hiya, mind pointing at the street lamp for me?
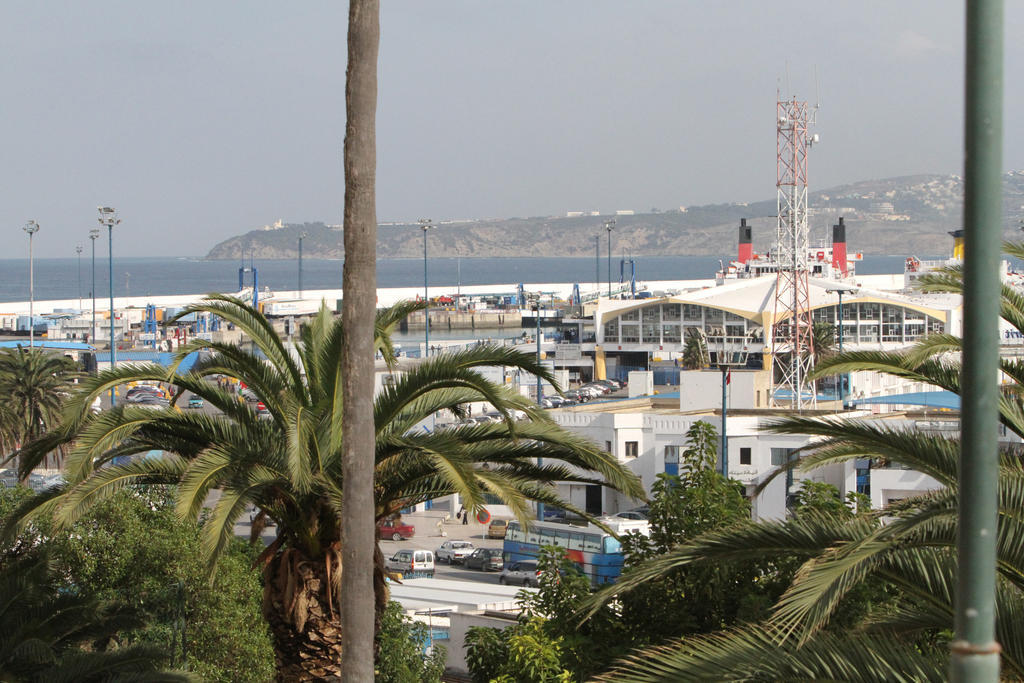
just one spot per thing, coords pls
(302, 236)
(78, 250)
(609, 225)
(730, 353)
(425, 224)
(31, 228)
(108, 217)
(844, 379)
(93, 235)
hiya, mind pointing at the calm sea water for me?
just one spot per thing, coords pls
(59, 278)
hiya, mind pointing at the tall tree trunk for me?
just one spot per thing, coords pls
(302, 616)
(358, 309)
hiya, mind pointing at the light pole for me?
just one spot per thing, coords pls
(609, 225)
(93, 235)
(302, 236)
(78, 250)
(731, 353)
(31, 228)
(108, 217)
(425, 224)
(844, 378)
(540, 397)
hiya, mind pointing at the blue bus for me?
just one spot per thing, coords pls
(597, 553)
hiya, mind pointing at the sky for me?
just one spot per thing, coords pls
(200, 120)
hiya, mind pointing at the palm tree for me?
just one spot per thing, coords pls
(289, 466)
(360, 284)
(914, 552)
(34, 383)
(695, 353)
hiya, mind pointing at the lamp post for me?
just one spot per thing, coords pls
(609, 225)
(108, 217)
(78, 250)
(844, 379)
(302, 236)
(425, 224)
(93, 235)
(731, 353)
(31, 228)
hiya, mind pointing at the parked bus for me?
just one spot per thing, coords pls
(597, 553)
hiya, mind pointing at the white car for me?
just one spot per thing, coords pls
(412, 563)
(454, 552)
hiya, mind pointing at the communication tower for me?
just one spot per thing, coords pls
(792, 338)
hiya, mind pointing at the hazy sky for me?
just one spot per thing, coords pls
(201, 120)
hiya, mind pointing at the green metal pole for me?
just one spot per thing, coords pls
(725, 436)
(974, 651)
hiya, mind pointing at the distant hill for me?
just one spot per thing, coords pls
(908, 215)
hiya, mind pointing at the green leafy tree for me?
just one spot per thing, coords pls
(50, 633)
(34, 384)
(133, 550)
(289, 466)
(400, 643)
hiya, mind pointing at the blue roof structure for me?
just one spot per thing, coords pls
(47, 344)
(929, 399)
(164, 358)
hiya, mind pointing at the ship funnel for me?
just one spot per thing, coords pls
(958, 243)
(746, 249)
(839, 246)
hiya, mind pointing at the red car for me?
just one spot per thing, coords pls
(396, 531)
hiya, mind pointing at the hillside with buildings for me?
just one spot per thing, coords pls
(907, 215)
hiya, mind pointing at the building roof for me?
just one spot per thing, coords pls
(930, 399)
(46, 344)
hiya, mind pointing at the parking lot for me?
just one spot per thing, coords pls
(428, 538)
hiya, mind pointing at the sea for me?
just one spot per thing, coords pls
(69, 278)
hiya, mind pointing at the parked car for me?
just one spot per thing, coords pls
(631, 514)
(485, 559)
(521, 573)
(454, 552)
(396, 531)
(412, 563)
(195, 401)
(497, 528)
(152, 402)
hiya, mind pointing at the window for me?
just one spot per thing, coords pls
(632, 448)
(611, 330)
(608, 446)
(652, 314)
(670, 312)
(670, 334)
(869, 311)
(652, 333)
(744, 456)
(781, 455)
(631, 315)
(715, 315)
(672, 459)
(630, 334)
(869, 333)
(692, 312)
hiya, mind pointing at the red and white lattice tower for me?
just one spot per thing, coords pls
(792, 338)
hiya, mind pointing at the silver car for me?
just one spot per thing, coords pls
(454, 552)
(520, 573)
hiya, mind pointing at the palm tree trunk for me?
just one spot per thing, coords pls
(304, 625)
(358, 309)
